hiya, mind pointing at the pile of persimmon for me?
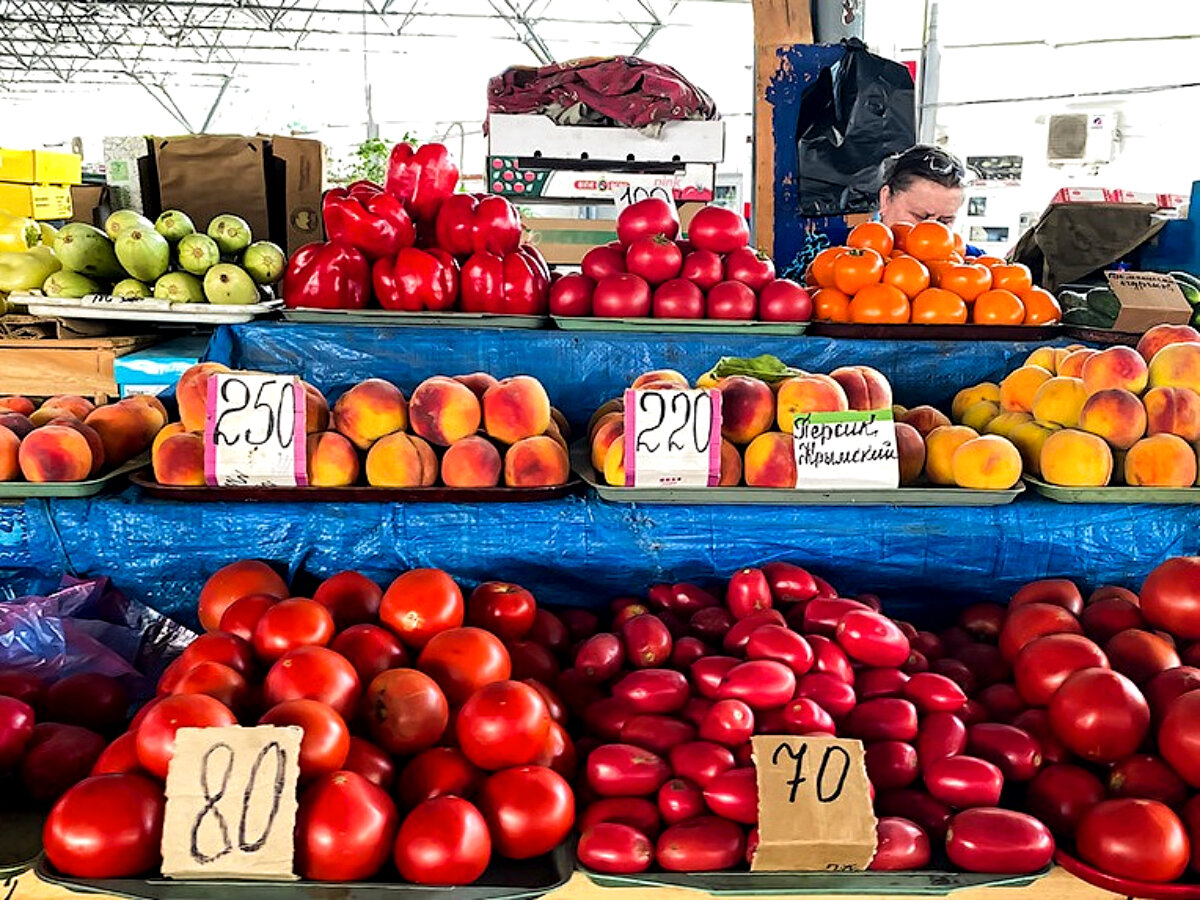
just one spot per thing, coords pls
(919, 273)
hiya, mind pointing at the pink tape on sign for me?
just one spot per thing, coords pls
(714, 440)
(210, 446)
(300, 434)
(630, 438)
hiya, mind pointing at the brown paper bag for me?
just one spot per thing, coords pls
(206, 175)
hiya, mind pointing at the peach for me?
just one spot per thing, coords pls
(429, 461)
(559, 419)
(49, 411)
(1043, 357)
(1115, 367)
(608, 407)
(478, 382)
(940, 445)
(968, 397)
(164, 433)
(150, 418)
(978, 415)
(899, 412)
(1173, 410)
(1115, 415)
(516, 408)
(394, 461)
(316, 410)
(988, 463)
(443, 411)
(614, 464)
(1073, 458)
(158, 412)
(17, 404)
(611, 430)
(16, 423)
(1004, 423)
(1161, 460)
(473, 462)
(55, 453)
(332, 460)
(10, 448)
(125, 430)
(925, 419)
(770, 460)
(180, 460)
(865, 388)
(536, 461)
(1029, 438)
(1059, 400)
(77, 406)
(91, 435)
(911, 447)
(370, 410)
(1020, 386)
(553, 432)
(605, 420)
(1071, 365)
(1163, 335)
(747, 408)
(191, 393)
(805, 394)
(661, 378)
(1176, 365)
(731, 465)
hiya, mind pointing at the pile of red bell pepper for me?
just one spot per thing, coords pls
(416, 245)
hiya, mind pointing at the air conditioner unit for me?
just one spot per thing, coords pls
(1084, 138)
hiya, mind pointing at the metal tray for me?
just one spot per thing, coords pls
(20, 840)
(918, 883)
(752, 496)
(430, 319)
(22, 490)
(920, 332)
(353, 494)
(1119, 494)
(1126, 887)
(698, 326)
(1101, 335)
(504, 880)
(153, 311)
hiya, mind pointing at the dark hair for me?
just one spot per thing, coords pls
(923, 161)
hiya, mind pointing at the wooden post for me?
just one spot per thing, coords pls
(777, 23)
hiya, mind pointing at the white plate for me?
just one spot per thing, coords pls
(142, 309)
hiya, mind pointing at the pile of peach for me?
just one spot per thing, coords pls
(469, 431)
(1089, 418)
(756, 430)
(68, 438)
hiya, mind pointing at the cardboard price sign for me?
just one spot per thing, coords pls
(814, 805)
(843, 450)
(255, 431)
(231, 803)
(672, 438)
(1147, 299)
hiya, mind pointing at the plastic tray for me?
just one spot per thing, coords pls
(431, 319)
(504, 880)
(920, 883)
(151, 311)
(698, 326)
(1101, 335)
(21, 490)
(919, 332)
(353, 494)
(20, 840)
(1126, 887)
(1123, 495)
(751, 496)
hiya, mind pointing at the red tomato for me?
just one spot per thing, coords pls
(891, 765)
(718, 229)
(156, 734)
(1015, 752)
(326, 741)
(443, 841)
(345, 828)
(1060, 794)
(647, 218)
(931, 693)
(652, 690)
(680, 800)
(931, 815)
(986, 663)
(602, 261)
(729, 722)
(648, 642)
(529, 810)
(941, 735)
(506, 610)
(805, 716)
(1037, 723)
(558, 753)
(735, 640)
(636, 812)
(711, 624)
(998, 840)
(734, 795)
(462, 660)
(708, 672)
(703, 268)
(831, 693)
(748, 592)
(1109, 616)
(883, 719)
(1164, 687)
(872, 639)
(419, 604)
(370, 650)
(89, 699)
(730, 300)
(1191, 821)
(656, 259)
(831, 659)
(351, 598)
(437, 772)
(531, 661)
(406, 711)
(16, 728)
(22, 686)
(1132, 838)
(371, 762)
(600, 657)
(1179, 737)
(1099, 714)
(622, 770)
(232, 582)
(1045, 663)
(289, 624)
(1140, 655)
(109, 826)
(678, 298)
(783, 300)
(315, 673)
(119, 757)
(781, 644)
(554, 703)
(220, 647)
(658, 734)
(1058, 591)
(241, 616)
(622, 296)
(704, 844)
(503, 724)
(1170, 597)
(1148, 777)
(605, 718)
(760, 683)
(571, 295)
(751, 267)
(1032, 621)
(614, 849)
(56, 757)
(1001, 702)
(217, 681)
(964, 781)
(901, 845)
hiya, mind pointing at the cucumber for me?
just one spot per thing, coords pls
(1088, 318)
(1072, 300)
(1104, 301)
(1186, 278)
(1190, 292)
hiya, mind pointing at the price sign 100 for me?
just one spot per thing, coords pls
(255, 430)
(672, 438)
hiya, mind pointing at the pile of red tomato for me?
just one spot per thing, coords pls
(426, 743)
(647, 271)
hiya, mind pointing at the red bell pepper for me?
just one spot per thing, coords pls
(365, 217)
(327, 276)
(421, 178)
(511, 284)
(478, 223)
(416, 280)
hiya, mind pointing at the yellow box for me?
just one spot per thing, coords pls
(40, 167)
(38, 201)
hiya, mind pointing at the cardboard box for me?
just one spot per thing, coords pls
(297, 183)
(1147, 299)
(38, 201)
(157, 368)
(525, 178)
(539, 136)
(40, 167)
(83, 366)
(1117, 195)
(89, 202)
(564, 241)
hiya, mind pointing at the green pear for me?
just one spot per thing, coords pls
(230, 285)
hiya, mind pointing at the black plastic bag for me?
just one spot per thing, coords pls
(859, 111)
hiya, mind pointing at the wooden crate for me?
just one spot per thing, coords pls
(69, 365)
